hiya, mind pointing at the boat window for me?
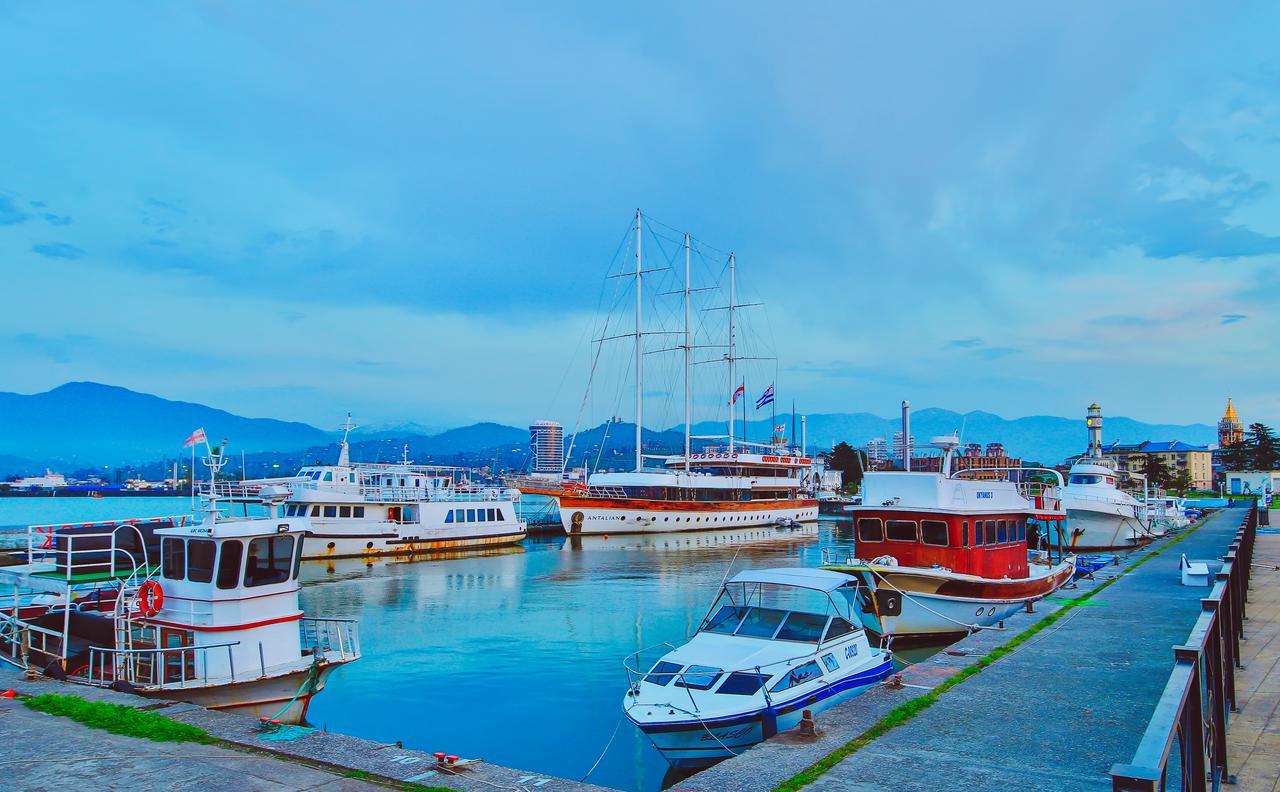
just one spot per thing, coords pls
(448, 516)
(344, 511)
(741, 683)
(839, 626)
(870, 530)
(357, 511)
(797, 676)
(1084, 478)
(1019, 531)
(471, 515)
(200, 554)
(330, 511)
(829, 661)
(698, 677)
(500, 517)
(493, 514)
(173, 558)
(900, 530)
(229, 563)
(933, 532)
(270, 558)
(964, 534)
(990, 527)
(662, 672)
(328, 476)
(726, 620)
(761, 622)
(297, 559)
(1002, 528)
(315, 511)
(315, 475)
(805, 627)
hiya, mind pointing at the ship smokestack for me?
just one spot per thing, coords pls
(906, 435)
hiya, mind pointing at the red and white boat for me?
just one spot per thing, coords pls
(205, 612)
(940, 555)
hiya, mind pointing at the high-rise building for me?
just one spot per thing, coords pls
(900, 449)
(1230, 428)
(877, 452)
(546, 440)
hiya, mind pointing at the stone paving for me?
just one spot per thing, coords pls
(1253, 734)
(47, 752)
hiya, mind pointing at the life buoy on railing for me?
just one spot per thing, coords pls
(150, 598)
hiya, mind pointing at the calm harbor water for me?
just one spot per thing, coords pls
(514, 655)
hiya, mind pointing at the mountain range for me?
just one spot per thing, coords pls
(85, 424)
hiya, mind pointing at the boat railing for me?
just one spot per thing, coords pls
(18, 639)
(334, 638)
(840, 556)
(166, 666)
(606, 492)
(238, 490)
(1195, 708)
(91, 551)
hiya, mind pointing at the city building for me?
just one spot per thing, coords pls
(1177, 456)
(877, 453)
(546, 440)
(901, 450)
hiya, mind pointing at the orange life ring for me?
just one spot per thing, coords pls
(150, 598)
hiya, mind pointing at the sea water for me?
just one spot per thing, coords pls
(512, 655)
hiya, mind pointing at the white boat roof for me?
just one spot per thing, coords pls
(823, 580)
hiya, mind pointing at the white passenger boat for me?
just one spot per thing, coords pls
(775, 643)
(205, 612)
(367, 509)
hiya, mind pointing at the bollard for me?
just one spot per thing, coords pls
(807, 727)
(1031, 606)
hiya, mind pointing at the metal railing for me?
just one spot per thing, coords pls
(336, 639)
(98, 552)
(174, 666)
(1190, 720)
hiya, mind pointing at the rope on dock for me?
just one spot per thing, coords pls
(599, 758)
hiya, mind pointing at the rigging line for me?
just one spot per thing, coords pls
(602, 753)
(673, 229)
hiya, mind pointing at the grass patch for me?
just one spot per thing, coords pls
(909, 709)
(118, 719)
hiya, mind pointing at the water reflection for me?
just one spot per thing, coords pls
(516, 657)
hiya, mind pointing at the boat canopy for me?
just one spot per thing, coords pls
(823, 580)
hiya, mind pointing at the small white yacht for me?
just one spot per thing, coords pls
(370, 509)
(1166, 513)
(775, 643)
(1099, 515)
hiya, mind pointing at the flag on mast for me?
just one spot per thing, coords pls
(742, 389)
(196, 437)
(765, 398)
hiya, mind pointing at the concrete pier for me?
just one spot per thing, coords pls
(1056, 713)
(315, 759)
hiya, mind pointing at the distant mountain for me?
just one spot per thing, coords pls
(85, 423)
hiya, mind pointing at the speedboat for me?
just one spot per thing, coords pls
(775, 643)
(941, 554)
(1100, 516)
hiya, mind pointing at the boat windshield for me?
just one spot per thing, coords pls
(771, 611)
(1085, 478)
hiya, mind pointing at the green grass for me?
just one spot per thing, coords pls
(908, 710)
(118, 719)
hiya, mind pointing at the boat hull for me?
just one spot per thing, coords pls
(1104, 528)
(589, 516)
(927, 606)
(382, 539)
(275, 697)
(700, 743)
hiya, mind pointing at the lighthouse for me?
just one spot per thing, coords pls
(1094, 422)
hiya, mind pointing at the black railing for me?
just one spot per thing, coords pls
(1190, 721)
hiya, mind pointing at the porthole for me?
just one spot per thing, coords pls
(979, 612)
(368, 545)
(332, 545)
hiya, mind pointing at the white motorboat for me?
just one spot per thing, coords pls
(1099, 515)
(775, 643)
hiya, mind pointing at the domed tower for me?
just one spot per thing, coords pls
(1230, 428)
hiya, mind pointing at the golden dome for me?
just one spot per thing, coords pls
(1230, 414)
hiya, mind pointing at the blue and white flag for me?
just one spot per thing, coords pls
(765, 398)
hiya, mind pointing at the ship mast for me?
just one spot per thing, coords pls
(688, 351)
(732, 387)
(639, 346)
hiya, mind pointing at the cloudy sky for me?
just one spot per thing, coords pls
(408, 210)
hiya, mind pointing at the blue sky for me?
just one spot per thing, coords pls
(406, 209)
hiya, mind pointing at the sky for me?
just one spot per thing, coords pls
(409, 210)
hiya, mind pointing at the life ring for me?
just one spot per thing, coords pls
(150, 598)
